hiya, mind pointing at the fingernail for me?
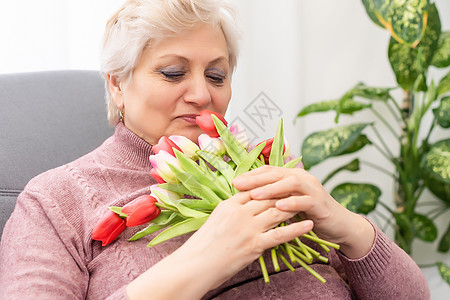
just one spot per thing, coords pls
(308, 224)
(281, 204)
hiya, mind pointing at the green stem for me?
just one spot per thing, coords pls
(400, 111)
(426, 265)
(276, 266)
(382, 152)
(387, 208)
(438, 215)
(382, 142)
(287, 264)
(264, 269)
(429, 132)
(318, 240)
(310, 270)
(377, 167)
(383, 120)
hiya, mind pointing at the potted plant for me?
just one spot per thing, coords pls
(416, 45)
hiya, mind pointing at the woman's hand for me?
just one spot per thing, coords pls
(237, 232)
(300, 192)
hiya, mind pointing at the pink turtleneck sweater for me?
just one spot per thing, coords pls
(47, 251)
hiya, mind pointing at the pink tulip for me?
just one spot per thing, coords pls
(211, 144)
(185, 145)
(240, 135)
(169, 194)
(108, 228)
(165, 144)
(141, 210)
(206, 123)
(160, 163)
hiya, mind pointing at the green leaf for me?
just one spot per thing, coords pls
(441, 58)
(189, 212)
(358, 144)
(444, 270)
(178, 229)
(202, 177)
(247, 163)
(423, 228)
(177, 188)
(352, 166)
(218, 163)
(444, 84)
(118, 210)
(198, 204)
(321, 145)
(435, 167)
(442, 112)
(276, 152)
(372, 12)
(408, 20)
(371, 93)
(349, 107)
(165, 218)
(405, 61)
(293, 163)
(198, 189)
(361, 198)
(444, 243)
(235, 150)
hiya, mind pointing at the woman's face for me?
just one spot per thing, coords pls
(176, 79)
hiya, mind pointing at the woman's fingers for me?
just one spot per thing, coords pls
(272, 217)
(279, 235)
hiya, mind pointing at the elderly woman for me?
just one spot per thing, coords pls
(164, 61)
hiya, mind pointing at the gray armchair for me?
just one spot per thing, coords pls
(46, 119)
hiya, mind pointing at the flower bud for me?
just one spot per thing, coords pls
(165, 144)
(240, 135)
(206, 123)
(108, 228)
(185, 145)
(155, 175)
(268, 148)
(212, 145)
(160, 163)
(141, 210)
(169, 194)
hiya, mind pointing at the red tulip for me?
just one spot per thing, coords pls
(267, 148)
(155, 175)
(206, 123)
(108, 228)
(165, 144)
(141, 210)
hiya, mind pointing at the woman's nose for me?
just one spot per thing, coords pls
(198, 92)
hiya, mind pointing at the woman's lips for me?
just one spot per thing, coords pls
(189, 118)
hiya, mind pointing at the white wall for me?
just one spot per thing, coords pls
(295, 52)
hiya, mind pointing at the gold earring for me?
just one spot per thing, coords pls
(121, 114)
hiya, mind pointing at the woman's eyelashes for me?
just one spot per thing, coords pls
(216, 76)
(213, 75)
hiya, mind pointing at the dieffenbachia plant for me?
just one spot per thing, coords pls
(416, 44)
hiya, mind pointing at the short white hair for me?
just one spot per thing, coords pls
(143, 23)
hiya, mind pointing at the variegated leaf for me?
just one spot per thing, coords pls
(358, 197)
(435, 167)
(321, 145)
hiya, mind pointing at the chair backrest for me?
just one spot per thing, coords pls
(46, 119)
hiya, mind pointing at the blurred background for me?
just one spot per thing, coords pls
(293, 53)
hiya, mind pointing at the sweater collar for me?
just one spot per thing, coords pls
(131, 149)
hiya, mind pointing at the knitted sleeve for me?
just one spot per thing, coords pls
(41, 254)
(386, 272)
(37, 260)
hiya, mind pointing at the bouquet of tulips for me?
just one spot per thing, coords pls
(193, 180)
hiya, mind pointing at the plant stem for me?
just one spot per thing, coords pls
(382, 152)
(264, 269)
(427, 265)
(397, 118)
(425, 141)
(387, 208)
(377, 167)
(438, 214)
(398, 109)
(383, 120)
(382, 142)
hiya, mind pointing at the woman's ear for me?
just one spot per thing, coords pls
(115, 88)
